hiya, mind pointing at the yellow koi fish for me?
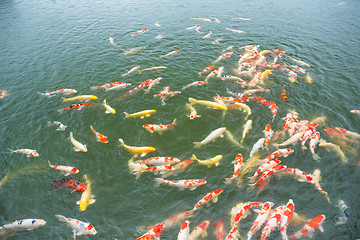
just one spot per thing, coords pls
(245, 108)
(203, 19)
(141, 114)
(265, 74)
(80, 98)
(86, 197)
(208, 162)
(335, 148)
(247, 127)
(142, 151)
(211, 104)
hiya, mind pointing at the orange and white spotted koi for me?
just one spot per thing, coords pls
(160, 36)
(170, 53)
(207, 69)
(281, 54)
(160, 161)
(219, 231)
(310, 227)
(287, 121)
(286, 218)
(66, 170)
(279, 153)
(65, 91)
(191, 184)
(111, 40)
(256, 78)
(165, 93)
(142, 85)
(79, 227)
(357, 112)
(238, 163)
(196, 83)
(297, 68)
(179, 167)
(131, 71)
(107, 85)
(198, 29)
(247, 84)
(216, 41)
(99, 137)
(260, 219)
(222, 100)
(139, 31)
(3, 93)
(153, 233)
(313, 142)
(212, 74)
(273, 222)
(161, 169)
(300, 175)
(264, 167)
(184, 233)
(268, 134)
(233, 234)
(27, 152)
(317, 178)
(291, 73)
(260, 99)
(214, 195)
(225, 55)
(292, 127)
(267, 174)
(242, 212)
(200, 230)
(158, 128)
(235, 30)
(273, 108)
(308, 133)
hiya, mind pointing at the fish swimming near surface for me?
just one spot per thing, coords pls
(111, 40)
(3, 93)
(131, 51)
(108, 108)
(27, 152)
(24, 225)
(310, 227)
(77, 106)
(131, 71)
(99, 137)
(152, 69)
(208, 162)
(170, 53)
(211, 137)
(71, 183)
(66, 170)
(65, 91)
(159, 128)
(61, 127)
(80, 98)
(141, 114)
(78, 146)
(86, 197)
(191, 184)
(78, 227)
(142, 151)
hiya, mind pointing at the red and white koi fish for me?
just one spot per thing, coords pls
(66, 170)
(198, 29)
(65, 91)
(219, 230)
(292, 127)
(165, 93)
(214, 195)
(27, 152)
(287, 121)
(216, 41)
(107, 85)
(281, 54)
(225, 55)
(222, 100)
(273, 222)
(99, 137)
(111, 39)
(252, 91)
(153, 233)
(235, 30)
(213, 73)
(139, 31)
(77, 106)
(193, 112)
(264, 167)
(247, 84)
(142, 85)
(273, 108)
(131, 51)
(136, 168)
(268, 134)
(317, 178)
(158, 128)
(196, 83)
(233, 234)
(238, 163)
(79, 227)
(153, 83)
(3, 93)
(243, 211)
(308, 133)
(216, 20)
(279, 153)
(300, 175)
(191, 184)
(160, 161)
(200, 230)
(347, 133)
(184, 233)
(291, 73)
(286, 218)
(207, 35)
(260, 219)
(313, 142)
(297, 68)
(170, 53)
(302, 125)
(179, 167)
(267, 174)
(291, 140)
(357, 112)
(159, 169)
(256, 78)
(230, 78)
(260, 99)
(310, 227)
(117, 87)
(160, 36)
(241, 18)
(207, 69)
(131, 71)
(300, 62)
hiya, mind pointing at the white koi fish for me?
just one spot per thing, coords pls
(207, 35)
(225, 55)
(300, 175)
(131, 71)
(235, 30)
(117, 87)
(313, 142)
(192, 27)
(66, 170)
(211, 137)
(216, 20)
(300, 62)
(260, 219)
(273, 222)
(139, 31)
(191, 184)
(66, 91)
(238, 163)
(203, 19)
(153, 233)
(108, 108)
(152, 69)
(131, 51)
(27, 152)
(198, 29)
(136, 168)
(24, 225)
(241, 18)
(216, 41)
(268, 134)
(77, 145)
(317, 179)
(79, 227)
(61, 127)
(3, 93)
(170, 53)
(160, 36)
(247, 127)
(257, 146)
(344, 210)
(165, 93)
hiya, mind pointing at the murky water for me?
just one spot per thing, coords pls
(64, 44)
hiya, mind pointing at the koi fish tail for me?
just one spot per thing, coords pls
(276, 145)
(158, 181)
(121, 142)
(64, 99)
(284, 235)
(252, 179)
(197, 144)
(315, 156)
(11, 151)
(94, 88)
(140, 71)
(228, 180)
(174, 122)
(192, 101)
(127, 115)
(50, 164)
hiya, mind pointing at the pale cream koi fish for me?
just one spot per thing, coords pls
(80, 98)
(208, 162)
(141, 114)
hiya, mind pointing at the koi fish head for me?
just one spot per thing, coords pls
(158, 229)
(104, 139)
(90, 230)
(78, 186)
(75, 170)
(34, 154)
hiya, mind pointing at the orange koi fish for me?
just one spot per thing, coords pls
(158, 128)
(260, 99)
(225, 55)
(142, 85)
(71, 183)
(196, 83)
(153, 233)
(268, 134)
(273, 222)
(300, 175)
(233, 234)
(139, 31)
(165, 93)
(264, 167)
(268, 174)
(283, 94)
(191, 184)
(310, 227)
(238, 163)
(243, 211)
(207, 69)
(200, 230)
(286, 217)
(273, 108)
(99, 136)
(65, 91)
(207, 198)
(159, 169)
(184, 233)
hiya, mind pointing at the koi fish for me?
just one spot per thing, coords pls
(80, 98)
(203, 19)
(241, 18)
(233, 234)
(136, 168)
(99, 137)
(111, 39)
(344, 210)
(279, 153)
(265, 74)
(247, 127)
(216, 20)
(317, 178)
(335, 148)
(300, 175)
(257, 146)
(286, 218)
(209, 162)
(247, 84)
(264, 167)
(131, 51)
(242, 212)
(260, 219)
(291, 140)
(160, 36)
(55, 93)
(297, 68)
(77, 145)
(216, 41)
(27, 152)
(267, 174)
(3, 93)
(225, 55)
(152, 69)
(198, 29)
(207, 69)
(61, 127)
(141, 114)
(107, 85)
(268, 134)
(300, 62)
(184, 233)
(313, 142)
(245, 108)
(170, 53)
(137, 150)
(273, 222)
(214, 195)
(71, 183)
(159, 169)
(310, 227)
(308, 78)
(77, 106)
(193, 112)
(86, 197)
(219, 132)
(200, 230)
(347, 133)
(283, 94)
(357, 112)
(191, 184)
(179, 167)
(142, 85)
(212, 74)
(292, 127)
(238, 163)
(153, 83)
(260, 99)
(66, 170)
(160, 161)
(24, 224)
(158, 128)
(165, 93)
(235, 30)
(287, 121)
(78, 227)
(157, 24)
(207, 35)
(118, 86)
(108, 108)
(273, 108)
(139, 31)
(131, 71)
(192, 27)
(213, 105)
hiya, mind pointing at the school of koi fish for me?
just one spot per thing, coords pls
(251, 72)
